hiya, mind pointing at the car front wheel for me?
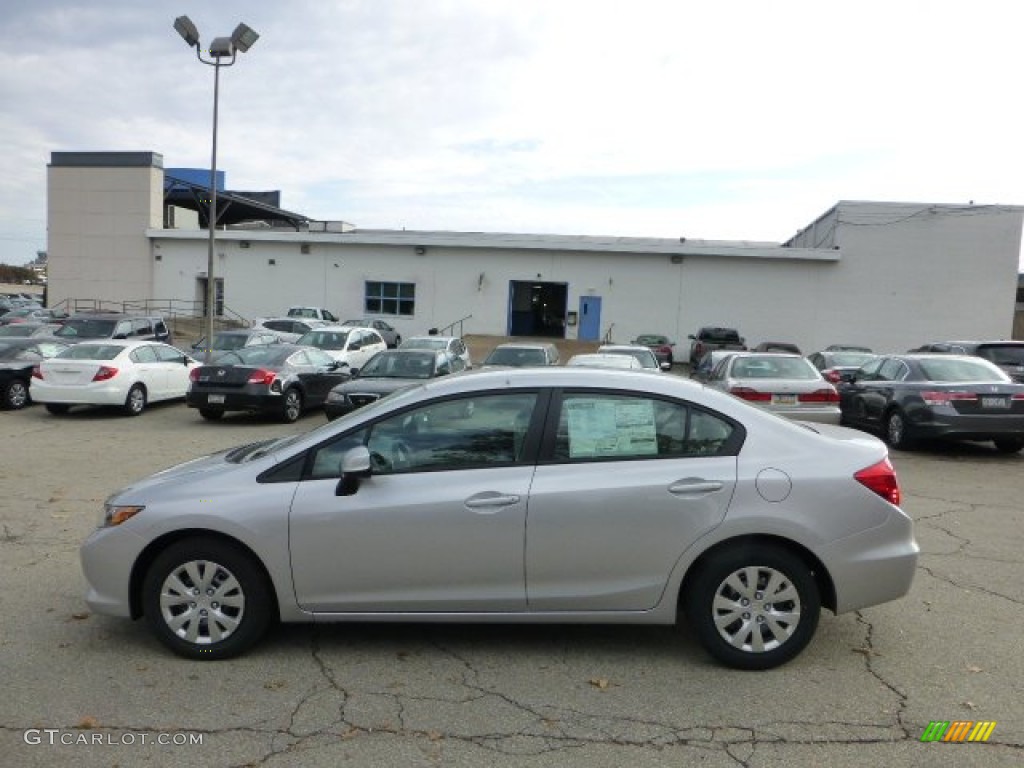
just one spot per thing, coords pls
(291, 406)
(753, 607)
(135, 403)
(206, 599)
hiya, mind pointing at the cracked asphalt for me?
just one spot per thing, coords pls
(420, 695)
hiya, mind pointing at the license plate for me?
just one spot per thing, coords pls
(215, 398)
(995, 402)
(783, 399)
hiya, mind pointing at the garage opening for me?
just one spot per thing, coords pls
(537, 308)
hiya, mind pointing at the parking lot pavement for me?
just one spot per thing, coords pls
(85, 690)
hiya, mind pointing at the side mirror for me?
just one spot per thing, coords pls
(353, 372)
(355, 466)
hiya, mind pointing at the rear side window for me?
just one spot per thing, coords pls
(596, 426)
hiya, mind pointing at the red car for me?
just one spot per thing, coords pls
(659, 345)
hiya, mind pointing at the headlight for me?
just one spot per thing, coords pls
(115, 514)
(335, 397)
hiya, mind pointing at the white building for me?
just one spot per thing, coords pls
(890, 275)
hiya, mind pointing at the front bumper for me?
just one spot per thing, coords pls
(107, 558)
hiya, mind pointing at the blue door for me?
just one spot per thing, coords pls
(590, 318)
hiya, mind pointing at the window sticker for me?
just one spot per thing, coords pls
(609, 428)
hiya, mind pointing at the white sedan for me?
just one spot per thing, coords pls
(352, 347)
(127, 374)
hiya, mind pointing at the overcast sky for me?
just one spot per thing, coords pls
(723, 120)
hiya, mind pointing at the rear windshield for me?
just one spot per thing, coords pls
(427, 343)
(851, 359)
(86, 328)
(229, 341)
(516, 357)
(91, 352)
(1003, 354)
(323, 339)
(400, 365)
(263, 354)
(961, 371)
(774, 367)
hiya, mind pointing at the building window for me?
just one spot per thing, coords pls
(390, 298)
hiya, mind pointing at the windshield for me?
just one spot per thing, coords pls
(650, 339)
(426, 343)
(851, 359)
(228, 341)
(645, 357)
(324, 339)
(399, 365)
(1003, 354)
(962, 371)
(86, 327)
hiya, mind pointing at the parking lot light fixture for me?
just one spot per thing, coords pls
(222, 52)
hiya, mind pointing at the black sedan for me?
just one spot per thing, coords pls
(912, 397)
(834, 364)
(278, 379)
(385, 373)
(18, 356)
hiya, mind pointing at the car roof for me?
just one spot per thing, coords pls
(126, 343)
(525, 345)
(624, 348)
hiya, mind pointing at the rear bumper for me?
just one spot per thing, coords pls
(235, 401)
(933, 425)
(82, 394)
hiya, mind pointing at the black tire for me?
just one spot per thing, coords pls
(233, 592)
(291, 406)
(15, 396)
(211, 414)
(57, 408)
(135, 402)
(1009, 444)
(897, 431)
(760, 633)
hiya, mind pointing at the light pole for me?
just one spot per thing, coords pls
(222, 53)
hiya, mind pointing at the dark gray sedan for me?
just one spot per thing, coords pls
(277, 379)
(912, 397)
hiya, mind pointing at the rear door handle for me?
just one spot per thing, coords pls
(695, 486)
(491, 501)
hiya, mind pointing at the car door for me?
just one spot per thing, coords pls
(878, 391)
(176, 369)
(323, 377)
(150, 371)
(626, 483)
(438, 526)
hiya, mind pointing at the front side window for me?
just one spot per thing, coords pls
(620, 427)
(390, 298)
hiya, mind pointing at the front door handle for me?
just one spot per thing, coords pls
(491, 501)
(693, 486)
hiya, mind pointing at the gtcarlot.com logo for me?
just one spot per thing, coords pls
(958, 730)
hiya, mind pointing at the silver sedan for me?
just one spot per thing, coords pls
(788, 385)
(516, 495)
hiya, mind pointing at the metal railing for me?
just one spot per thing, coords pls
(449, 330)
(181, 315)
(608, 335)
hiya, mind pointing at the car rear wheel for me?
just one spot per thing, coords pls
(1008, 445)
(211, 414)
(291, 406)
(753, 607)
(15, 395)
(206, 599)
(135, 403)
(896, 431)
(57, 408)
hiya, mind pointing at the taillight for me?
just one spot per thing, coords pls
(820, 396)
(945, 398)
(262, 376)
(881, 478)
(37, 372)
(193, 375)
(752, 395)
(832, 375)
(105, 373)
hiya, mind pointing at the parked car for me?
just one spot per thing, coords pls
(105, 325)
(778, 346)
(1008, 355)
(288, 329)
(920, 396)
(387, 372)
(663, 349)
(391, 336)
(453, 345)
(282, 380)
(315, 313)
(598, 360)
(707, 364)
(522, 354)
(18, 357)
(351, 347)
(714, 337)
(835, 364)
(787, 385)
(25, 330)
(643, 355)
(415, 507)
(32, 315)
(112, 372)
(225, 341)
